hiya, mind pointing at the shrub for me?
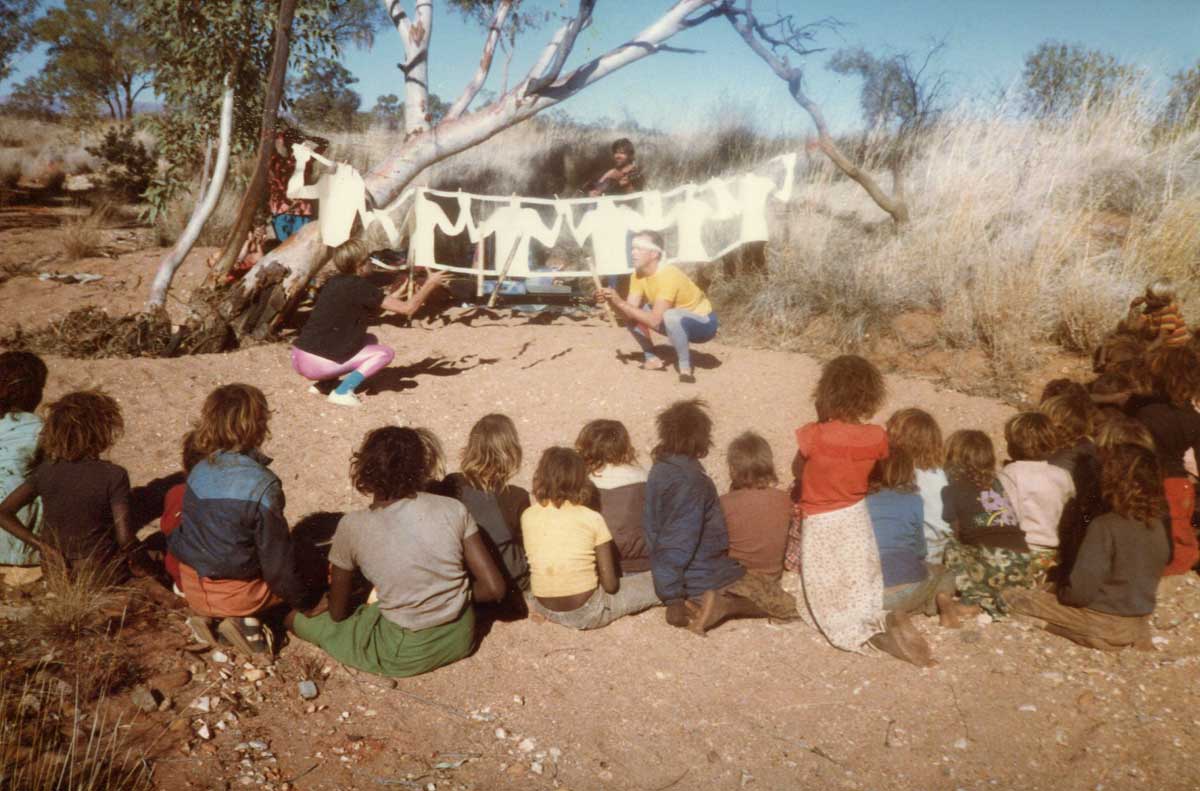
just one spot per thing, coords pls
(82, 235)
(127, 165)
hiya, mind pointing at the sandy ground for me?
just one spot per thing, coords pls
(637, 705)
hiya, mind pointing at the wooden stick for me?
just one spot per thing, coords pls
(612, 317)
(504, 272)
(480, 248)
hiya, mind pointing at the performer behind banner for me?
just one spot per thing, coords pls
(677, 307)
(624, 177)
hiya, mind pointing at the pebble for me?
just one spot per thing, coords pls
(555, 754)
(526, 745)
(961, 744)
(143, 698)
(519, 700)
(219, 656)
(202, 704)
(536, 767)
(202, 731)
(307, 689)
(1027, 707)
(501, 733)
(254, 674)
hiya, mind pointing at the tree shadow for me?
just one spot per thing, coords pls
(400, 378)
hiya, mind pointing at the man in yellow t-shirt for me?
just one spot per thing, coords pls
(677, 306)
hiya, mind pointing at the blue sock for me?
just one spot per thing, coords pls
(350, 383)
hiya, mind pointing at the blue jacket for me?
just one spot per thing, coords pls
(685, 531)
(233, 526)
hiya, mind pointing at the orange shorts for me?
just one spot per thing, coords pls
(221, 598)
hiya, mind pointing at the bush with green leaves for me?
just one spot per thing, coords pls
(127, 165)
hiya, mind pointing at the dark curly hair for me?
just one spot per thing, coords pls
(850, 389)
(561, 477)
(80, 425)
(684, 429)
(22, 379)
(1175, 372)
(390, 464)
(1131, 482)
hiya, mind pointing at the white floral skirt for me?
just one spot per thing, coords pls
(839, 589)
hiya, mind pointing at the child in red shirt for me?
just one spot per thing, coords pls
(840, 581)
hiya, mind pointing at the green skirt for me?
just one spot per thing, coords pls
(368, 641)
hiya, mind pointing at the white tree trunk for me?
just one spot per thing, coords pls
(302, 254)
(204, 206)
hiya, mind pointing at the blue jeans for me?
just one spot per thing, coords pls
(681, 327)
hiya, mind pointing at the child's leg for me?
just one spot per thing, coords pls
(1181, 501)
(370, 360)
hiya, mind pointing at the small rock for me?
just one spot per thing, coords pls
(519, 700)
(169, 682)
(202, 704)
(253, 674)
(310, 708)
(501, 733)
(536, 767)
(143, 698)
(605, 775)
(219, 656)
(746, 779)
(202, 731)
(526, 745)
(961, 744)
(555, 754)
(166, 704)
(1027, 707)
(307, 689)
(257, 744)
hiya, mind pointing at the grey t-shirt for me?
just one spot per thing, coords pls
(412, 552)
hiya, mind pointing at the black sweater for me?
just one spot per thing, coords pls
(1118, 566)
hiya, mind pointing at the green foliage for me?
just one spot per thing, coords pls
(32, 98)
(15, 21)
(128, 166)
(199, 43)
(897, 94)
(324, 97)
(1060, 79)
(1182, 111)
(96, 55)
(388, 111)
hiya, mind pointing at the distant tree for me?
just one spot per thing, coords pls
(1182, 111)
(16, 19)
(97, 55)
(388, 111)
(32, 98)
(323, 96)
(1059, 79)
(900, 93)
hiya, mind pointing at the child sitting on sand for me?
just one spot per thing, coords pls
(1107, 601)
(1155, 316)
(572, 560)
(489, 461)
(85, 498)
(1071, 412)
(910, 584)
(620, 484)
(419, 550)
(1037, 490)
(916, 432)
(757, 515)
(22, 378)
(988, 552)
(236, 557)
(841, 581)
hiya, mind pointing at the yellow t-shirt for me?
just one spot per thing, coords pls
(561, 546)
(670, 283)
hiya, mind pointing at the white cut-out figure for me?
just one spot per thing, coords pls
(430, 218)
(753, 193)
(653, 218)
(514, 224)
(343, 196)
(690, 215)
(608, 226)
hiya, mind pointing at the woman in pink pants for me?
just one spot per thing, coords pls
(334, 342)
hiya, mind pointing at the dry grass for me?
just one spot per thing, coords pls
(82, 236)
(79, 603)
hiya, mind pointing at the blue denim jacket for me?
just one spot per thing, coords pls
(685, 531)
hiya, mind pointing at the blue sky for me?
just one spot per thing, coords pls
(986, 42)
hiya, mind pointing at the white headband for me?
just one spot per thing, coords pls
(645, 244)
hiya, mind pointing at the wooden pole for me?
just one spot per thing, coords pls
(480, 249)
(504, 272)
(612, 317)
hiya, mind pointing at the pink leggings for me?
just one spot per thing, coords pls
(370, 360)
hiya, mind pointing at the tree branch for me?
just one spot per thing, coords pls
(485, 61)
(554, 57)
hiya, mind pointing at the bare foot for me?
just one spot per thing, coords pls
(713, 609)
(654, 365)
(951, 613)
(902, 640)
